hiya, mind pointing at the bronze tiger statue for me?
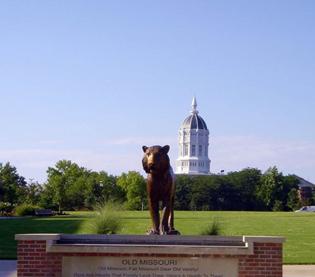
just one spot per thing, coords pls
(160, 188)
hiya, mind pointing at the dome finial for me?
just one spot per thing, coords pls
(194, 106)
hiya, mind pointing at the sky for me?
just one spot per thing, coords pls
(93, 81)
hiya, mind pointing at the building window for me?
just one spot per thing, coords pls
(185, 149)
(193, 150)
(200, 150)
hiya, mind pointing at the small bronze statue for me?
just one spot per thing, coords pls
(160, 188)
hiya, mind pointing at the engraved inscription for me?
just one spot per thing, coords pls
(149, 267)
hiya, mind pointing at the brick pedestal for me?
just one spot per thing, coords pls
(42, 254)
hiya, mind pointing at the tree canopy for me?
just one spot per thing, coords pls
(12, 184)
(71, 187)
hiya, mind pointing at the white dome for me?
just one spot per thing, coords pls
(193, 145)
(194, 121)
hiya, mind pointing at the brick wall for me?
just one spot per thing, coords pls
(266, 261)
(33, 260)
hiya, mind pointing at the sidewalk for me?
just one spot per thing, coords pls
(8, 269)
(299, 271)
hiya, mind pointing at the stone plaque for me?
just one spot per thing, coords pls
(134, 266)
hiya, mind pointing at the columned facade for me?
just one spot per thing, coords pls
(193, 145)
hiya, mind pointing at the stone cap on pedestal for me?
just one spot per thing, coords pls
(190, 245)
(38, 236)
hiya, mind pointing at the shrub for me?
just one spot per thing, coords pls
(212, 229)
(25, 209)
(106, 221)
(278, 206)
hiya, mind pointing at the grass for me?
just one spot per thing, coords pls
(213, 228)
(297, 228)
(107, 220)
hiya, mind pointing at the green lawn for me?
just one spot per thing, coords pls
(297, 228)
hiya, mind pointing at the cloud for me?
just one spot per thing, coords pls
(140, 141)
(51, 142)
(118, 155)
(237, 152)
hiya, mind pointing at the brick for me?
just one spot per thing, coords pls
(34, 261)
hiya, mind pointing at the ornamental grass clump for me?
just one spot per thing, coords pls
(212, 229)
(106, 221)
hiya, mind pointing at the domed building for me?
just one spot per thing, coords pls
(193, 145)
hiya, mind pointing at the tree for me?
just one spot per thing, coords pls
(183, 192)
(294, 201)
(274, 189)
(268, 188)
(290, 182)
(47, 197)
(12, 184)
(134, 185)
(278, 206)
(33, 192)
(205, 193)
(228, 194)
(102, 188)
(67, 181)
(246, 183)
